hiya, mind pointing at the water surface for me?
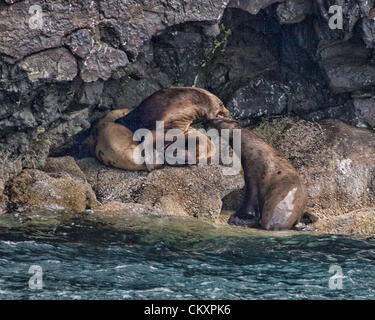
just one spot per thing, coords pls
(89, 257)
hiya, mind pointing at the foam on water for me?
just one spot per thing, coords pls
(173, 258)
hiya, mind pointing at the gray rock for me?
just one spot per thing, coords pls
(347, 66)
(260, 97)
(99, 59)
(193, 190)
(81, 42)
(91, 93)
(365, 111)
(336, 161)
(101, 62)
(293, 11)
(212, 30)
(54, 64)
(252, 6)
(368, 32)
(60, 18)
(149, 18)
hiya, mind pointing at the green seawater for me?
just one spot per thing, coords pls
(90, 257)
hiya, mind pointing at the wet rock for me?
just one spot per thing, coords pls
(54, 64)
(358, 223)
(37, 189)
(119, 208)
(194, 190)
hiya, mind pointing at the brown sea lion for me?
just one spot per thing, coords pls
(177, 107)
(114, 143)
(275, 198)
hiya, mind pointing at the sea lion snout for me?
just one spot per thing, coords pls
(216, 108)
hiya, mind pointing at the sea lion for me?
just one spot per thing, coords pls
(275, 198)
(114, 143)
(177, 107)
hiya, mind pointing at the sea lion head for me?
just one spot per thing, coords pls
(214, 107)
(217, 110)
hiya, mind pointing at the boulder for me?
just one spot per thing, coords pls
(261, 97)
(37, 189)
(99, 59)
(191, 190)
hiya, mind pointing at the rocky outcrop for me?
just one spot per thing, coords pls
(64, 64)
(64, 52)
(63, 185)
(336, 163)
(193, 191)
(73, 62)
(37, 189)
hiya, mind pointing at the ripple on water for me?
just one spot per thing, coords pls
(170, 261)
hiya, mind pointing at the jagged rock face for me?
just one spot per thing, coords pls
(54, 57)
(54, 64)
(252, 7)
(262, 58)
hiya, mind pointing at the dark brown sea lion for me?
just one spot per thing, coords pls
(177, 107)
(275, 197)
